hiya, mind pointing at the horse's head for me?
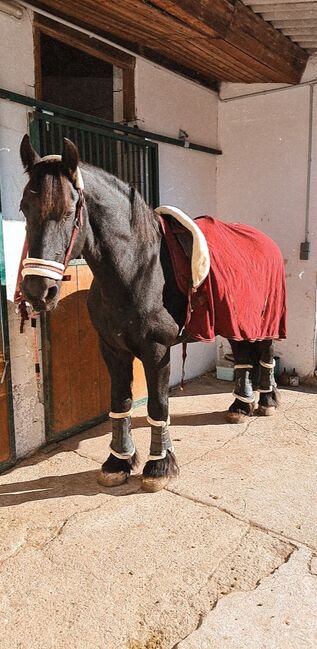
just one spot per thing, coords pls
(50, 203)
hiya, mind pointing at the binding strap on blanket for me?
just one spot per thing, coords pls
(200, 262)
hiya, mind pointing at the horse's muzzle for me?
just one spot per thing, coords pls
(41, 292)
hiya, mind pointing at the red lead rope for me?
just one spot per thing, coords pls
(18, 295)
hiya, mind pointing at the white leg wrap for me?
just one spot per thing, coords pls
(269, 366)
(155, 422)
(120, 415)
(121, 456)
(244, 399)
(268, 390)
(160, 457)
(242, 367)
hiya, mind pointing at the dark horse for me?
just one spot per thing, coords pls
(134, 302)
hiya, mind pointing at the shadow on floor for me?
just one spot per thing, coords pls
(216, 418)
(206, 384)
(72, 484)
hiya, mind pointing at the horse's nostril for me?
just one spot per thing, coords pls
(51, 293)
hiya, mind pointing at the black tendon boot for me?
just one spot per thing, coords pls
(161, 465)
(243, 405)
(269, 395)
(123, 457)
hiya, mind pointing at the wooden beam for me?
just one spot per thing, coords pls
(210, 18)
(250, 33)
(207, 40)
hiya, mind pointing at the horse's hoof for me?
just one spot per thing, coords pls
(151, 485)
(266, 411)
(112, 479)
(236, 417)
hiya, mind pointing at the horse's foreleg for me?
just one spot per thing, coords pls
(243, 405)
(161, 464)
(269, 395)
(123, 457)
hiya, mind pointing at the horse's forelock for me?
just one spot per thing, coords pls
(49, 181)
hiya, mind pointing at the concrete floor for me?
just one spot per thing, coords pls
(225, 558)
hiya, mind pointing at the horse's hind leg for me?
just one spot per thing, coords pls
(269, 394)
(116, 469)
(161, 465)
(243, 405)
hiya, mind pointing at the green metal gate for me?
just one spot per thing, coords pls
(133, 159)
(7, 442)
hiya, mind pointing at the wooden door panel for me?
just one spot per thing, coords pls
(62, 328)
(5, 450)
(4, 420)
(78, 382)
(96, 381)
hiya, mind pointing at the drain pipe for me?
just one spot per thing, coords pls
(305, 245)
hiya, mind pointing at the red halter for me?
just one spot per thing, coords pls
(25, 267)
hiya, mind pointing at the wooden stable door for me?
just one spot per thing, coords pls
(77, 383)
(6, 442)
(4, 406)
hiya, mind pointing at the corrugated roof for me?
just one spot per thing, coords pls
(296, 19)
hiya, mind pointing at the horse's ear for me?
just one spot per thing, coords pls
(70, 156)
(29, 157)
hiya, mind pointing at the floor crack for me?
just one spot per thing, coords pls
(15, 553)
(86, 457)
(202, 616)
(28, 542)
(240, 434)
(267, 530)
(226, 443)
(65, 522)
(292, 421)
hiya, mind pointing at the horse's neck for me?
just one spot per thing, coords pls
(113, 250)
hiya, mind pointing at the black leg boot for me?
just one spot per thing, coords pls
(161, 465)
(123, 457)
(243, 405)
(269, 395)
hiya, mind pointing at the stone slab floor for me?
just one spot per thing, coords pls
(224, 558)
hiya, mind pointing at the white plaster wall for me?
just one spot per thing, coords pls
(17, 75)
(262, 179)
(165, 103)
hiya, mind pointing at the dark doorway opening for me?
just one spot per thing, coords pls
(75, 80)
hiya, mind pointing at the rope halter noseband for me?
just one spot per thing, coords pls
(47, 267)
(42, 268)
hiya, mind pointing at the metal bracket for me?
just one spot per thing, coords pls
(304, 250)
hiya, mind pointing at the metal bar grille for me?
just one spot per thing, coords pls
(131, 158)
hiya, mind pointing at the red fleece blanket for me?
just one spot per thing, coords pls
(244, 296)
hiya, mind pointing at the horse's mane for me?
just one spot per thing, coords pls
(144, 221)
(49, 181)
